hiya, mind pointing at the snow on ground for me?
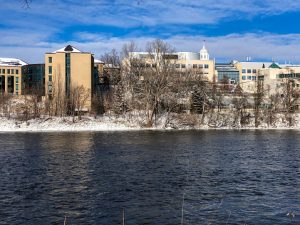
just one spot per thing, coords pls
(111, 123)
(64, 124)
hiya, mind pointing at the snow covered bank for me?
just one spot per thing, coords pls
(110, 123)
(56, 124)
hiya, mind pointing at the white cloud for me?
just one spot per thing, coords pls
(29, 33)
(262, 46)
(134, 13)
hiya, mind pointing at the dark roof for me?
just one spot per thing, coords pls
(274, 66)
(69, 48)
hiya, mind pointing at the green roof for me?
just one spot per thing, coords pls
(274, 66)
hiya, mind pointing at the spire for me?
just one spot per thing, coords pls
(204, 53)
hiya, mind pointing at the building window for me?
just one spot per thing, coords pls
(243, 71)
(200, 66)
(248, 71)
(10, 84)
(50, 69)
(68, 73)
(12, 71)
(3, 71)
(253, 77)
(50, 59)
(243, 77)
(17, 93)
(206, 66)
(254, 71)
(248, 77)
(50, 78)
(177, 66)
(195, 66)
(8, 71)
(17, 71)
(17, 80)
(17, 87)
(183, 66)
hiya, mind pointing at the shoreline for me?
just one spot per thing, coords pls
(106, 124)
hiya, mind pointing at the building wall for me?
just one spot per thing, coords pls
(206, 67)
(14, 73)
(249, 74)
(81, 73)
(274, 78)
(33, 79)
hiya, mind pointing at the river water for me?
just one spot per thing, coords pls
(159, 178)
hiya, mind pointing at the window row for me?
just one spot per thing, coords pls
(291, 75)
(248, 77)
(249, 71)
(9, 71)
(195, 66)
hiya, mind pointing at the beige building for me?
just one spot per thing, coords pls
(249, 72)
(68, 68)
(275, 77)
(11, 76)
(198, 63)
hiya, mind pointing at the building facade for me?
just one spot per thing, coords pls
(33, 79)
(275, 77)
(227, 72)
(192, 62)
(11, 76)
(249, 72)
(68, 68)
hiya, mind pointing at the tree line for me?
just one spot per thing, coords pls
(151, 88)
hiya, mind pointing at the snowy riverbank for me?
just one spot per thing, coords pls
(109, 123)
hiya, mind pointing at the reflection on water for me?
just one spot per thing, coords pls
(246, 177)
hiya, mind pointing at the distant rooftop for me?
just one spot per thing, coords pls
(12, 62)
(97, 61)
(68, 48)
(229, 67)
(256, 65)
(274, 66)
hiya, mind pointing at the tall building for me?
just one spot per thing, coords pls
(11, 75)
(69, 68)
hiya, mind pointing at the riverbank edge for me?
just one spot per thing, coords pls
(54, 125)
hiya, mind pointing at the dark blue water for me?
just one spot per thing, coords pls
(219, 177)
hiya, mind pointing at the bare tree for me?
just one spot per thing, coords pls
(201, 96)
(112, 58)
(77, 100)
(274, 102)
(57, 99)
(160, 67)
(5, 104)
(290, 97)
(258, 100)
(241, 117)
(35, 100)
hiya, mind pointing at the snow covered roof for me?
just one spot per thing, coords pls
(111, 66)
(12, 62)
(68, 48)
(255, 65)
(97, 61)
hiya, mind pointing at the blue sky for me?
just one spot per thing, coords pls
(233, 29)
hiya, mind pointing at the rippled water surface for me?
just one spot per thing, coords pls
(216, 177)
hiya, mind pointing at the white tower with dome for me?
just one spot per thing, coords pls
(204, 53)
